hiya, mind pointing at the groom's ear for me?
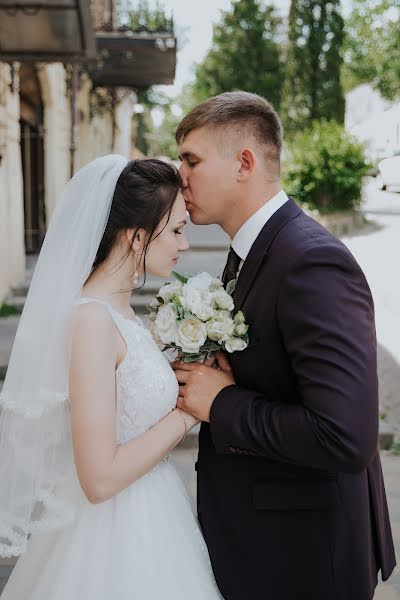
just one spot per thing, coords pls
(247, 163)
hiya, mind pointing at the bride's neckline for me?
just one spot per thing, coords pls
(135, 317)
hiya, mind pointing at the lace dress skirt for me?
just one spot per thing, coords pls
(143, 544)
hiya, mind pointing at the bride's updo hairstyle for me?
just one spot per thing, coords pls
(145, 193)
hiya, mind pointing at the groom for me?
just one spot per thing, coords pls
(290, 491)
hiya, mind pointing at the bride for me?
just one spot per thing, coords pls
(88, 495)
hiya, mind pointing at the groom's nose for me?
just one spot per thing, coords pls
(185, 181)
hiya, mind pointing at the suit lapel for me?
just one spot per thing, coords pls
(259, 250)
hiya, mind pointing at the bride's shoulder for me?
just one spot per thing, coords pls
(92, 318)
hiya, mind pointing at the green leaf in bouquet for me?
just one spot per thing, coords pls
(182, 278)
(210, 346)
(188, 358)
(181, 311)
(230, 286)
(169, 347)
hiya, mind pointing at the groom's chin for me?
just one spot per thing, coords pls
(198, 218)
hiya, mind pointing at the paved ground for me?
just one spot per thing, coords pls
(8, 327)
(377, 251)
(389, 590)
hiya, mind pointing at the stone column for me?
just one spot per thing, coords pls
(123, 122)
(12, 245)
(57, 135)
(95, 122)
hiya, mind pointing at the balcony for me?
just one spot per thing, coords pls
(49, 30)
(62, 31)
(134, 59)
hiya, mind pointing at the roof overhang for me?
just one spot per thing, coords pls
(49, 30)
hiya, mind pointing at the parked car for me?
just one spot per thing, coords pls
(389, 172)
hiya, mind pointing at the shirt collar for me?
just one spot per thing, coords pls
(248, 233)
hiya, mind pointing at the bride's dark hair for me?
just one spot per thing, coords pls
(145, 192)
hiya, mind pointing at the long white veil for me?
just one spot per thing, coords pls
(35, 441)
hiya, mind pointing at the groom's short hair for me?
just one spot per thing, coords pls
(242, 112)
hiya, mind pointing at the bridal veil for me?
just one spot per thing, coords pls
(35, 441)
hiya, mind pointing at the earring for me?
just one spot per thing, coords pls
(136, 274)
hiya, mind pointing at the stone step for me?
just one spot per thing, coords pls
(16, 301)
(386, 435)
(386, 438)
(20, 290)
(139, 302)
(194, 261)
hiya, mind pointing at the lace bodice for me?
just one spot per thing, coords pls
(147, 389)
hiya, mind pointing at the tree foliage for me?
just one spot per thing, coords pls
(245, 54)
(159, 140)
(372, 46)
(312, 87)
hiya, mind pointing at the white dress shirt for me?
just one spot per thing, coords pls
(249, 231)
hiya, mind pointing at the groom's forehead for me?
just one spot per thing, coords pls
(196, 140)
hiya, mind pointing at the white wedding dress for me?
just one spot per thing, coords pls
(142, 544)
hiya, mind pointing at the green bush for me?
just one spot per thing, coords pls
(323, 167)
(6, 310)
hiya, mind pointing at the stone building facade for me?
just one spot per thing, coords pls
(45, 135)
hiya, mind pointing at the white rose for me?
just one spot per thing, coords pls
(201, 282)
(220, 328)
(153, 330)
(165, 325)
(169, 290)
(241, 329)
(192, 334)
(216, 284)
(199, 302)
(223, 300)
(239, 318)
(204, 311)
(235, 344)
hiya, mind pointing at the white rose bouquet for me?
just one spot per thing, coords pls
(195, 316)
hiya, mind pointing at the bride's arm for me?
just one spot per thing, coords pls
(103, 467)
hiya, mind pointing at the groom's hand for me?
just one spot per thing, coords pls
(199, 384)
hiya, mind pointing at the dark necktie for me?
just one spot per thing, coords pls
(231, 267)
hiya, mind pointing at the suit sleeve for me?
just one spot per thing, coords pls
(326, 318)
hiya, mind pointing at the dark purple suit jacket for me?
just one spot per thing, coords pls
(290, 491)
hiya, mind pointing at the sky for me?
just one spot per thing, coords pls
(197, 19)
